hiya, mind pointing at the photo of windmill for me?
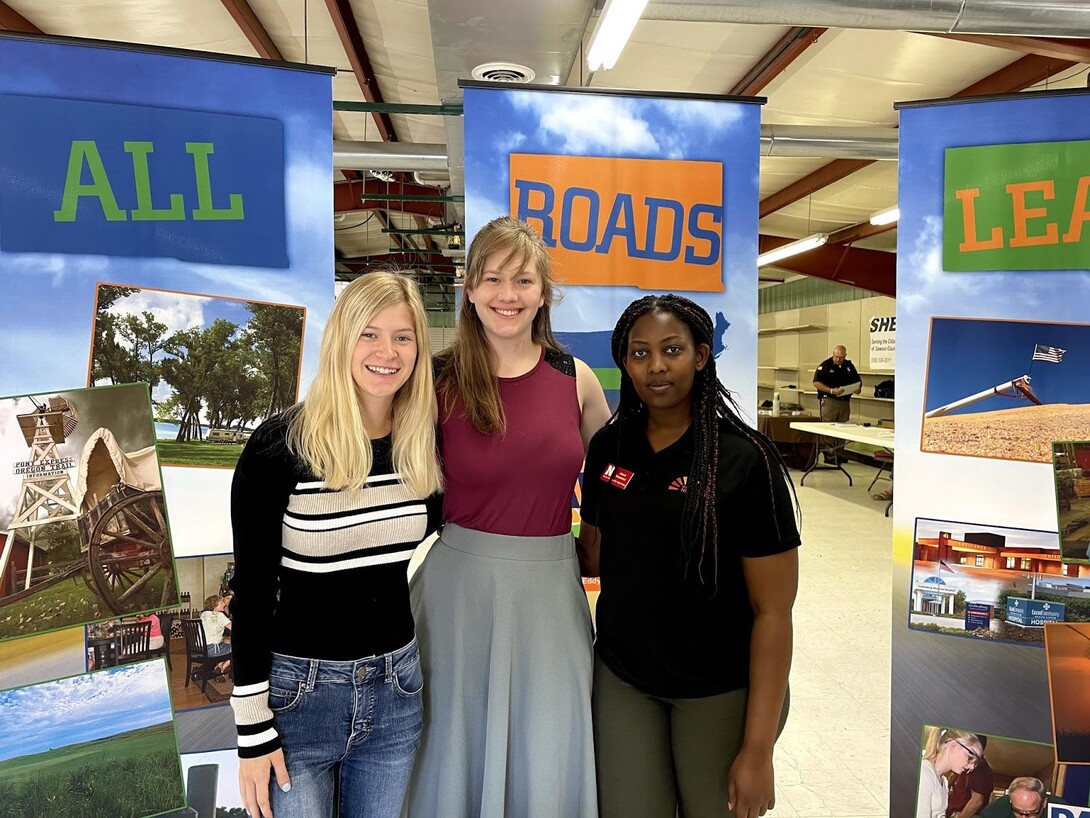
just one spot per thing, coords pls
(83, 531)
(1005, 389)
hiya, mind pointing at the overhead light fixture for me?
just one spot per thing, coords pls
(887, 216)
(614, 27)
(792, 249)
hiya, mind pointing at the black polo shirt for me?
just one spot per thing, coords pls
(665, 634)
(836, 375)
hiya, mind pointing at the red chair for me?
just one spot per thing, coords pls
(885, 463)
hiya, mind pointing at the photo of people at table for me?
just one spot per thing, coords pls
(964, 774)
(194, 638)
(993, 582)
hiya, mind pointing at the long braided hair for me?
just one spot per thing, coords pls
(712, 404)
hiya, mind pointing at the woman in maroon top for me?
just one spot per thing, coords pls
(503, 624)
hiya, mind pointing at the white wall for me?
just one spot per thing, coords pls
(790, 343)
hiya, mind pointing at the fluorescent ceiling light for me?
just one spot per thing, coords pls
(615, 25)
(792, 249)
(887, 216)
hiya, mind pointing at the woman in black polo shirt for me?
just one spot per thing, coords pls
(687, 510)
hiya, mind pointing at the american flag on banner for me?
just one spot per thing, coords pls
(1051, 354)
(945, 566)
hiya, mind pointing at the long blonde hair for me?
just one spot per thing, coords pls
(935, 738)
(326, 430)
(467, 367)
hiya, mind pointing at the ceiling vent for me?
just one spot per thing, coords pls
(503, 72)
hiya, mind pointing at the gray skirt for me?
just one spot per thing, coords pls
(505, 644)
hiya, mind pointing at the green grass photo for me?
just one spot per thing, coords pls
(98, 745)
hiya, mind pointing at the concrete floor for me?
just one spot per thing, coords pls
(833, 756)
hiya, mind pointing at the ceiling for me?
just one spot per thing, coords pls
(820, 64)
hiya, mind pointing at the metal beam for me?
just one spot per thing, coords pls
(829, 143)
(786, 50)
(404, 259)
(855, 232)
(822, 177)
(1017, 76)
(11, 20)
(1044, 18)
(403, 242)
(1077, 49)
(446, 109)
(389, 155)
(429, 242)
(345, 22)
(867, 269)
(427, 231)
(429, 268)
(251, 26)
(408, 197)
(373, 194)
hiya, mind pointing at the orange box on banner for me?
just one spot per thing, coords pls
(656, 224)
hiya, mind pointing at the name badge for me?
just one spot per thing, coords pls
(616, 476)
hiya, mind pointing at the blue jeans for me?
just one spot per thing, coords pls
(365, 715)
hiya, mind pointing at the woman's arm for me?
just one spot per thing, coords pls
(587, 546)
(592, 402)
(588, 543)
(259, 495)
(773, 583)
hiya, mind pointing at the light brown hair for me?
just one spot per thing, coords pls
(467, 368)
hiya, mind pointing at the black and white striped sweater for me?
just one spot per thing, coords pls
(319, 574)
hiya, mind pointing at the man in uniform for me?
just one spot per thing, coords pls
(830, 378)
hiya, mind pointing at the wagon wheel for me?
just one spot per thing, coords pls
(128, 548)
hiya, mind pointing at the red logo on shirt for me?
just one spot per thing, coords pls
(616, 476)
(680, 484)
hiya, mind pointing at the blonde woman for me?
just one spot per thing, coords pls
(504, 625)
(328, 502)
(945, 750)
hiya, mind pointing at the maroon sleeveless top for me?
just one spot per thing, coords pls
(518, 483)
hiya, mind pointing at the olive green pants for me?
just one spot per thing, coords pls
(664, 758)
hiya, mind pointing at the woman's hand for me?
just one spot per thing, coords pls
(253, 781)
(751, 785)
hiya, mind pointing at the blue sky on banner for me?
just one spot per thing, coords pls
(47, 307)
(179, 311)
(924, 289)
(82, 708)
(501, 122)
(931, 675)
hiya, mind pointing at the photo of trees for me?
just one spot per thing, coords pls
(216, 367)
